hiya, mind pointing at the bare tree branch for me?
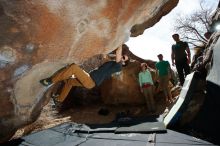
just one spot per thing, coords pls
(194, 26)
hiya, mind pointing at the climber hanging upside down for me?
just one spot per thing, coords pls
(75, 76)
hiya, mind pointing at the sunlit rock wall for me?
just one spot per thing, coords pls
(40, 36)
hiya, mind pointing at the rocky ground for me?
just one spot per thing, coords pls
(51, 117)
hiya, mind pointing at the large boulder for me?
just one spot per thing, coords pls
(39, 37)
(200, 116)
(123, 87)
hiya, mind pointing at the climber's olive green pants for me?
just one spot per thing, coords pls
(81, 79)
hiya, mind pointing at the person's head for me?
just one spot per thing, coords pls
(124, 60)
(207, 35)
(143, 66)
(160, 57)
(176, 37)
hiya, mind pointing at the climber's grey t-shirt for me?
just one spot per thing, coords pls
(179, 50)
(105, 71)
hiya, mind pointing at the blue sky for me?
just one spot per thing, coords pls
(157, 39)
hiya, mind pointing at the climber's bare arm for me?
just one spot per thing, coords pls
(119, 54)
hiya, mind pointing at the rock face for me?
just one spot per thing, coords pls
(124, 87)
(39, 37)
